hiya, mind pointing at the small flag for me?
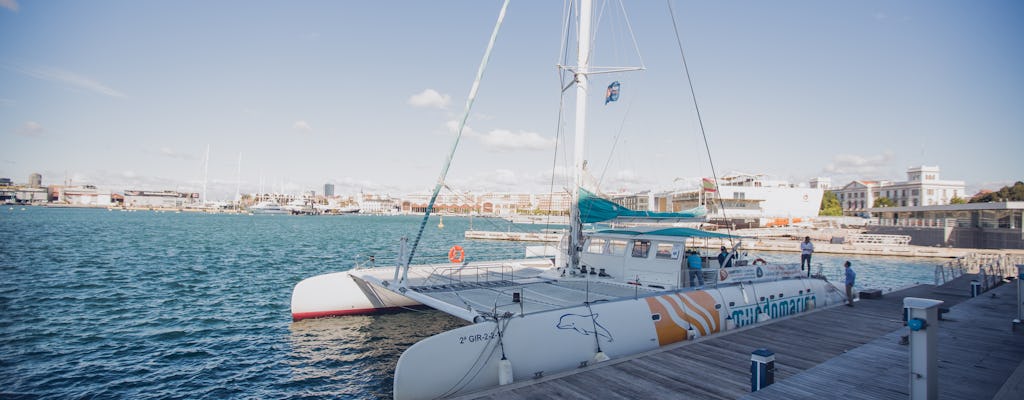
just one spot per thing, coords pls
(709, 185)
(612, 94)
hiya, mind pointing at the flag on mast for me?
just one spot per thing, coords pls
(612, 94)
(709, 185)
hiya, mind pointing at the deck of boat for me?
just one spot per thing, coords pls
(490, 286)
(834, 352)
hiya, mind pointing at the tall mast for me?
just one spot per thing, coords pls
(582, 84)
(206, 173)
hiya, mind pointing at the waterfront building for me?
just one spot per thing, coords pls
(922, 188)
(161, 199)
(5, 182)
(554, 202)
(972, 225)
(328, 189)
(35, 180)
(31, 195)
(376, 203)
(745, 200)
(87, 195)
(821, 183)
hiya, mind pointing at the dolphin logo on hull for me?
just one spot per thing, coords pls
(585, 325)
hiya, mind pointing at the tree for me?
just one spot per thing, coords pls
(957, 200)
(830, 205)
(1007, 193)
(883, 202)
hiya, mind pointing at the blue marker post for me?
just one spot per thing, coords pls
(762, 369)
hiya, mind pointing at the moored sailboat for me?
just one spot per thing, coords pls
(608, 293)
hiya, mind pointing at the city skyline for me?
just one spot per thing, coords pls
(128, 95)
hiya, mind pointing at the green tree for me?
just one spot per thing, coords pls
(957, 200)
(1007, 193)
(830, 205)
(883, 202)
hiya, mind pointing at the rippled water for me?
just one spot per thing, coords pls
(96, 303)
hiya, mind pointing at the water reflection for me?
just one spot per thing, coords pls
(356, 355)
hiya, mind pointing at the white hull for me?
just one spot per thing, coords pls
(467, 359)
(339, 294)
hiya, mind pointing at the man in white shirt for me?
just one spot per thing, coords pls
(806, 248)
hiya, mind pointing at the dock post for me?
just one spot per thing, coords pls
(975, 288)
(762, 369)
(923, 319)
(1020, 297)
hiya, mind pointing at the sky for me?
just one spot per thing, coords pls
(290, 95)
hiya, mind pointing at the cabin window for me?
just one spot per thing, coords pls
(596, 246)
(669, 251)
(641, 248)
(616, 247)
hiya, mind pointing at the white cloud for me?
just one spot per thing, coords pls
(302, 126)
(30, 128)
(9, 4)
(504, 140)
(862, 166)
(70, 78)
(430, 98)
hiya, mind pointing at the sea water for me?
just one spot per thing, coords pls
(113, 304)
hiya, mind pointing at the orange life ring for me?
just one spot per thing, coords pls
(456, 254)
(760, 260)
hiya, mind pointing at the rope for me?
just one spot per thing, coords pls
(700, 120)
(462, 124)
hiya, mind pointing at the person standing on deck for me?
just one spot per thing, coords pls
(696, 274)
(806, 248)
(851, 277)
(722, 257)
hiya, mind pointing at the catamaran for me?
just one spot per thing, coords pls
(606, 294)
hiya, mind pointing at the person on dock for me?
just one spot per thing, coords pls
(851, 277)
(722, 259)
(696, 273)
(806, 248)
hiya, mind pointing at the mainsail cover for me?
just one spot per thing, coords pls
(595, 209)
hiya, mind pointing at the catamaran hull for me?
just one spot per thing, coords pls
(340, 293)
(470, 358)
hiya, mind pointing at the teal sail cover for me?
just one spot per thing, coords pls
(595, 209)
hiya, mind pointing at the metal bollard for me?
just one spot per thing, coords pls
(762, 369)
(923, 322)
(975, 288)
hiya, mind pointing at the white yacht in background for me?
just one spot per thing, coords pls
(268, 207)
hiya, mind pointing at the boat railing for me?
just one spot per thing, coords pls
(475, 274)
(991, 268)
(879, 239)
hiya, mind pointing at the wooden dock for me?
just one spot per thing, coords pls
(840, 351)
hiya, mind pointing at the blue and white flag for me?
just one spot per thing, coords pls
(612, 94)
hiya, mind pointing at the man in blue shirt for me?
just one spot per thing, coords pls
(695, 269)
(850, 278)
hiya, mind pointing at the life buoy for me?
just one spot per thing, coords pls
(456, 254)
(761, 261)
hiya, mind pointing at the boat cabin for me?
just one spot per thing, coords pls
(654, 258)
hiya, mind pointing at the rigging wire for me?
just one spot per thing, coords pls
(700, 121)
(462, 124)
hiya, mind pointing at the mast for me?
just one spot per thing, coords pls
(582, 84)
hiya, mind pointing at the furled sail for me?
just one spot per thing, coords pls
(595, 209)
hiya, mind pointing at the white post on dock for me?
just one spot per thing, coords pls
(923, 321)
